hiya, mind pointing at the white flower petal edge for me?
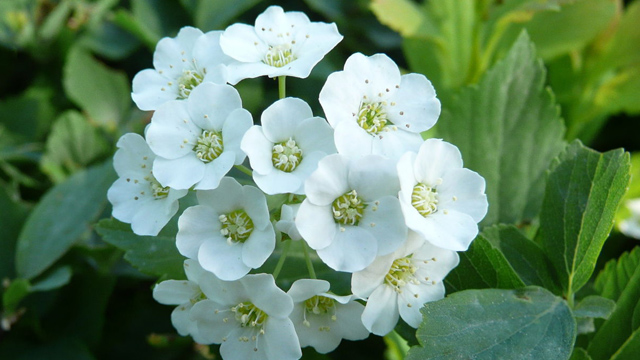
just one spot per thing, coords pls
(180, 65)
(280, 44)
(248, 317)
(287, 222)
(397, 285)
(229, 231)
(349, 204)
(183, 293)
(385, 111)
(287, 147)
(322, 319)
(631, 225)
(198, 140)
(137, 197)
(439, 198)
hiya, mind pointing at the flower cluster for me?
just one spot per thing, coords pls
(364, 190)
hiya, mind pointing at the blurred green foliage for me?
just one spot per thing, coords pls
(67, 293)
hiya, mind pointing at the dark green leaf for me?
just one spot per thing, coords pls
(630, 349)
(594, 307)
(619, 327)
(63, 215)
(28, 115)
(525, 256)
(102, 92)
(109, 40)
(72, 144)
(580, 354)
(13, 215)
(529, 323)
(583, 190)
(216, 15)
(508, 129)
(614, 278)
(159, 17)
(152, 255)
(483, 266)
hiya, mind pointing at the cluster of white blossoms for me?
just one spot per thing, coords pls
(365, 191)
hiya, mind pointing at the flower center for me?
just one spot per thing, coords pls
(158, 191)
(236, 226)
(425, 199)
(319, 304)
(209, 145)
(286, 155)
(248, 314)
(198, 297)
(372, 117)
(401, 273)
(348, 209)
(187, 82)
(279, 55)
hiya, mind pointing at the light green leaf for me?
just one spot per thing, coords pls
(634, 189)
(109, 40)
(525, 256)
(102, 92)
(61, 218)
(583, 191)
(483, 266)
(529, 323)
(619, 328)
(152, 255)
(508, 129)
(72, 145)
(630, 349)
(620, 93)
(615, 276)
(594, 306)
(57, 278)
(55, 21)
(397, 347)
(623, 48)
(405, 17)
(218, 14)
(17, 290)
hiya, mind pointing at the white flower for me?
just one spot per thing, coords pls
(631, 225)
(440, 199)
(400, 283)
(287, 147)
(198, 140)
(287, 222)
(181, 64)
(281, 43)
(322, 319)
(137, 197)
(249, 317)
(229, 232)
(184, 293)
(351, 213)
(375, 110)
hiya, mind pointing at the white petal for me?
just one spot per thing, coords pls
(379, 69)
(278, 182)
(281, 118)
(236, 125)
(151, 89)
(259, 150)
(194, 228)
(227, 197)
(281, 340)
(255, 204)
(364, 282)
(239, 42)
(181, 173)
(425, 293)
(329, 181)
(349, 321)
(223, 259)
(265, 295)
(353, 141)
(374, 177)
(170, 52)
(316, 224)
(394, 144)
(341, 97)
(453, 231)
(380, 315)
(154, 214)
(351, 250)
(434, 158)
(175, 292)
(468, 188)
(416, 104)
(236, 349)
(193, 270)
(304, 289)
(171, 133)
(315, 134)
(386, 224)
(210, 104)
(406, 176)
(180, 319)
(215, 170)
(209, 317)
(258, 247)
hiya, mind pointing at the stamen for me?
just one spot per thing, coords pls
(425, 199)
(279, 55)
(348, 209)
(237, 226)
(286, 156)
(372, 117)
(209, 146)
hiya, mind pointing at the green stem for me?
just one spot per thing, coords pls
(283, 256)
(244, 169)
(282, 86)
(307, 258)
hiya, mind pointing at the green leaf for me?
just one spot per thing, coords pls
(152, 255)
(634, 189)
(102, 92)
(109, 40)
(396, 346)
(483, 266)
(55, 21)
(57, 278)
(615, 276)
(72, 145)
(61, 218)
(623, 48)
(619, 328)
(405, 17)
(583, 191)
(17, 290)
(580, 354)
(620, 93)
(13, 215)
(525, 256)
(630, 349)
(594, 306)
(159, 17)
(529, 323)
(216, 15)
(30, 114)
(508, 129)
